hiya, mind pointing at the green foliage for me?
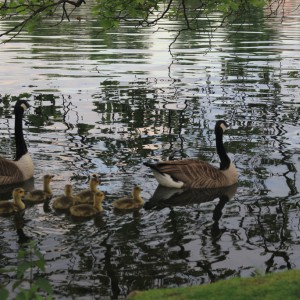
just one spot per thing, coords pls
(30, 13)
(229, 6)
(150, 12)
(3, 293)
(110, 13)
(27, 286)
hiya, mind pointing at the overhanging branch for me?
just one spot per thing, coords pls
(34, 11)
(146, 13)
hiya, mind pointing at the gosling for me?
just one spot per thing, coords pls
(127, 203)
(8, 208)
(88, 210)
(66, 201)
(87, 196)
(39, 196)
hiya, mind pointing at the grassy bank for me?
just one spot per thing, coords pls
(281, 286)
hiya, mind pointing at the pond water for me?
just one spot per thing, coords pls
(107, 102)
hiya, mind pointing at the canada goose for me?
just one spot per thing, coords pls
(87, 196)
(136, 201)
(66, 201)
(88, 210)
(20, 169)
(11, 207)
(39, 196)
(192, 173)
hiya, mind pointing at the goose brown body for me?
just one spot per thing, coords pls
(88, 210)
(128, 203)
(20, 169)
(193, 173)
(39, 196)
(11, 207)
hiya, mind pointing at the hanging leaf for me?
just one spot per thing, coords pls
(3, 294)
(44, 285)
(22, 268)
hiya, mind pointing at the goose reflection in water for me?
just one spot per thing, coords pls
(18, 218)
(171, 197)
(19, 223)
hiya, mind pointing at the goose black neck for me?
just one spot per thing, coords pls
(21, 147)
(225, 160)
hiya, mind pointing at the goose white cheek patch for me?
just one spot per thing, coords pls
(223, 126)
(23, 105)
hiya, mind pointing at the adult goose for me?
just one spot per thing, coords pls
(20, 169)
(192, 173)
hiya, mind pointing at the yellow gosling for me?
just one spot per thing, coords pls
(87, 196)
(11, 207)
(127, 203)
(89, 210)
(39, 196)
(66, 201)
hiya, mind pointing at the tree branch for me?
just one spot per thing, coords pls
(147, 23)
(146, 13)
(185, 14)
(35, 11)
